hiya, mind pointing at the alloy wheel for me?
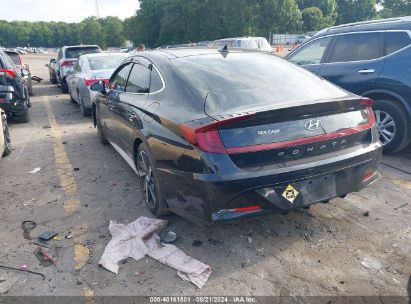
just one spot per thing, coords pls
(147, 179)
(385, 125)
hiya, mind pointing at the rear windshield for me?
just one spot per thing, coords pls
(78, 51)
(15, 58)
(250, 71)
(105, 62)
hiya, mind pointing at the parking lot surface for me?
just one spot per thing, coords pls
(359, 245)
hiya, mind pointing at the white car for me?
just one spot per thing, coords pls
(5, 148)
(87, 70)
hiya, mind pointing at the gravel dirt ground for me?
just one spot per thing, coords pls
(355, 246)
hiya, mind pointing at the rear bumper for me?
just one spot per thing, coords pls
(210, 197)
(9, 101)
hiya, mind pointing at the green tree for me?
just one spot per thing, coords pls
(313, 19)
(396, 8)
(113, 31)
(356, 10)
(91, 32)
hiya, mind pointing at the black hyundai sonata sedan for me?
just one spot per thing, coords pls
(217, 135)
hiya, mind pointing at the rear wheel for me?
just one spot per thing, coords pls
(149, 182)
(84, 110)
(100, 132)
(6, 134)
(64, 86)
(391, 125)
(24, 115)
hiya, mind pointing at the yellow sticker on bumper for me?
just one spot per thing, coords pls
(290, 193)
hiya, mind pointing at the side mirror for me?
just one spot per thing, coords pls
(25, 72)
(98, 86)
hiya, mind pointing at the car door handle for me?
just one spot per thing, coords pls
(366, 71)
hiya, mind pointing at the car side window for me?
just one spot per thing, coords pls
(119, 81)
(139, 80)
(356, 47)
(396, 41)
(311, 53)
(156, 84)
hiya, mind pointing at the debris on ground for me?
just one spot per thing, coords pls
(41, 243)
(260, 252)
(69, 236)
(23, 268)
(168, 237)
(139, 238)
(44, 257)
(57, 238)
(7, 283)
(214, 242)
(27, 227)
(197, 243)
(367, 213)
(35, 170)
(371, 263)
(36, 78)
(76, 169)
(47, 235)
(402, 206)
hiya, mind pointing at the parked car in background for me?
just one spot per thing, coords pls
(210, 145)
(87, 70)
(14, 94)
(18, 62)
(371, 59)
(5, 148)
(52, 70)
(67, 57)
(251, 43)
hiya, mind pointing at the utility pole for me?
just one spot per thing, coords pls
(97, 11)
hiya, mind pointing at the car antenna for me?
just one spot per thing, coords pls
(223, 50)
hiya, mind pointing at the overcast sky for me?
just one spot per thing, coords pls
(64, 10)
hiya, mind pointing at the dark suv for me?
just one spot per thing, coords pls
(14, 94)
(372, 59)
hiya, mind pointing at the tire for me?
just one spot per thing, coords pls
(100, 132)
(84, 111)
(30, 87)
(24, 115)
(64, 86)
(6, 134)
(149, 182)
(391, 125)
(71, 97)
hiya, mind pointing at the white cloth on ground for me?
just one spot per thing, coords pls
(139, 239)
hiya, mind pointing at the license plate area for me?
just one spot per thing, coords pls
(317, 189)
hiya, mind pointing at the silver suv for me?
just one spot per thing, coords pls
(67, 57)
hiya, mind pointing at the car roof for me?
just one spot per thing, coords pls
(79, 46)
(401, 23)
(104, 54)
(10, 52)
(188, 52)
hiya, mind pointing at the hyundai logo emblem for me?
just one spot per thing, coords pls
(313, 124)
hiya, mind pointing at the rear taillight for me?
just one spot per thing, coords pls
(89, 81)
(8, 73)
(67, 63)
(206, 137)
(369, 103)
